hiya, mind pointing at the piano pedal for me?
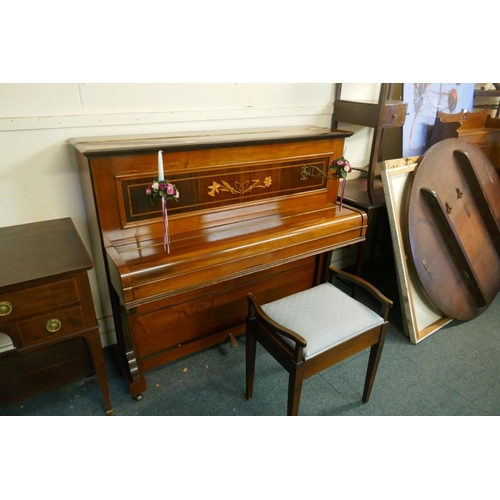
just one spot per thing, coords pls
(232, 340)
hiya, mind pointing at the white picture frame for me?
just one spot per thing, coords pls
(420, 317)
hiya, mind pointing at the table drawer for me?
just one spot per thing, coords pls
(51, 325)
(29, 301)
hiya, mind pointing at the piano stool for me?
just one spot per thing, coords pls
(309, 331)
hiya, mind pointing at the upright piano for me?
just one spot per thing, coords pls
(257, 212)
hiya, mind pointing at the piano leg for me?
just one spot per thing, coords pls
(232, 340)
(138, 384)
(137, 388)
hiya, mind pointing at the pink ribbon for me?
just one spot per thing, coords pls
(342, 195)
(166, 234)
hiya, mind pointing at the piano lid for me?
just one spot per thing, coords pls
(144, 143)
(204, 257)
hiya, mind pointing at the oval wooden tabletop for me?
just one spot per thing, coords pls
(453, 232)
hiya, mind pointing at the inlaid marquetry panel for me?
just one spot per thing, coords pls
(222, 187)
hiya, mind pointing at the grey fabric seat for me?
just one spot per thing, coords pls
(324, 315)
(314, 329)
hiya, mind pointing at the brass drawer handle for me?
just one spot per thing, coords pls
(5, 308)
(53, 325)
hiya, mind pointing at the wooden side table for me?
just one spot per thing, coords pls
(46, 309)
(478, 128)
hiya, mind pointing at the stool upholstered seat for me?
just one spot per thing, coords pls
(314, 329)
(324, 315)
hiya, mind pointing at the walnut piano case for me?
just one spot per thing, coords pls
(249, 218)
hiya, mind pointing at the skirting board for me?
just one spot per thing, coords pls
(420, 318)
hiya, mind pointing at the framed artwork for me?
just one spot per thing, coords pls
(420, 317)
(424, 101)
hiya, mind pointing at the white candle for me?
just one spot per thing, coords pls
(161, 175)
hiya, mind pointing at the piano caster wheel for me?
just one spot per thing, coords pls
(232, 340)
(138, 397)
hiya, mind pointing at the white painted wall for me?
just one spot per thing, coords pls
(38, 171)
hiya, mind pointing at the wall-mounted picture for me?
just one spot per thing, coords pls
(425, 100)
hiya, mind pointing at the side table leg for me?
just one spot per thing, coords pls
(94, 342)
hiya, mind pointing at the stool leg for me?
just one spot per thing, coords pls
(250, 353)
(373, 361)
(294, 391)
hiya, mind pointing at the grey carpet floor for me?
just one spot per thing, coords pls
(453, 372)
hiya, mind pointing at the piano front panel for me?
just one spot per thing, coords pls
(223, 187)
(175, 321)
(211, 184)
